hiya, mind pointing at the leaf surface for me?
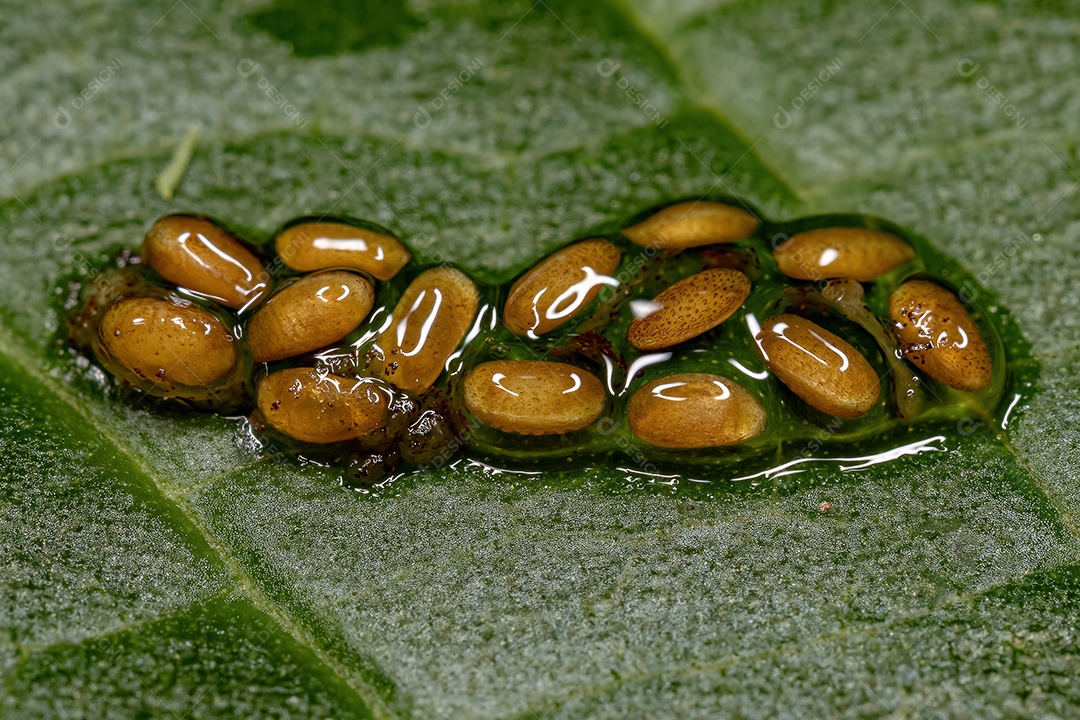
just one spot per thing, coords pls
(155, 563)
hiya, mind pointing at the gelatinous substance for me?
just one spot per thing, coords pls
(560, 286)
(376, 376)
(533, 397)
(201, 256)
(688, 308)
(842, 252)
(937, 335)
(88, 303)
(309, 314)
(308, 246)
(825, 371)
(693, 224)
(695, 410)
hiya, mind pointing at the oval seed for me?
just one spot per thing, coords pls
(691, 224)
(199, 255)
(320, 245)
(819, 367)
(162, 342)
(533, 397)
(559, 286)
(311, 313)
(842, 252)
(695, 410)
(937, 335)
(429, 321)
(688, 308)
(319, 408)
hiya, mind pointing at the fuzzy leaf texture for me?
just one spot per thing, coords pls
(155, 564)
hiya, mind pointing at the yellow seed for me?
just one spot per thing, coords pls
(688, 308)
(842, 252)
(819, 367)
(533, 397)
(311, 313)
(429, 322)
(201, 256)
(560, 286)
(692, 224)
(695, 410)
(162, 342)
(320, 408)
(937, 335)
(320, 245)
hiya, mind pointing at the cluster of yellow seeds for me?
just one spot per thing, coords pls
(223, 324)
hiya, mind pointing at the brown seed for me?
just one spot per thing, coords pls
(201, 256)
(819, 367)
(842, 252)
(311, 313)
(430, 320)
(691, 224)
(319, 408)
(533, 397)
(320, 245)
(695, 410)
(937, 335)
(559, 286)
(162, 342)
(688, 308)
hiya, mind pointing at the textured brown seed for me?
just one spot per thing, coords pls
(688, 308)
(842, 252)
(691, 224)
(320, 245)
(162, 342)
(819, 367)
(937, 335)
(319, 408)
(430, 320)
(311, 313)
(694, 410)
(532, 397)
(198, 255)
(559, 286)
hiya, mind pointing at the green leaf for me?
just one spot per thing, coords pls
(156, 564)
